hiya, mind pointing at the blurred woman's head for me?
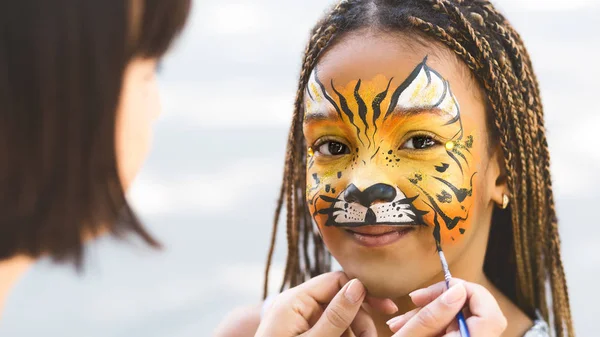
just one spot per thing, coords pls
(78, 94)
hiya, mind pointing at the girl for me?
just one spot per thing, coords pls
(418, 132)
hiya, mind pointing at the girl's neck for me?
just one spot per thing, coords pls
(10, 271)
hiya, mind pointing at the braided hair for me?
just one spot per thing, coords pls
(494, 52)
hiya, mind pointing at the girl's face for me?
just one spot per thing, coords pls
(397, 162)
(139, 106)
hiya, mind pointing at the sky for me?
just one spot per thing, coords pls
(209, 186)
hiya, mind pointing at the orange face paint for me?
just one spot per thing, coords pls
(387, 151)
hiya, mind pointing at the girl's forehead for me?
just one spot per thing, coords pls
(366, 57)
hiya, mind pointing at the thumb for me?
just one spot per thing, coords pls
(435, 317)
(340, 312)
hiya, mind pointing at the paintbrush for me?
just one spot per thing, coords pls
(460, 318)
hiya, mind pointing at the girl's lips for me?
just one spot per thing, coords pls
(380, 235)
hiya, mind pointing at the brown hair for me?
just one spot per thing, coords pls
(61, 71)
(524, 255)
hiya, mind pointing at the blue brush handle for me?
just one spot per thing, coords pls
(462, 325)
(460, 318)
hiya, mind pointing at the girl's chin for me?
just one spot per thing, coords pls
(392, 291)
(384, 286)
(394, 279)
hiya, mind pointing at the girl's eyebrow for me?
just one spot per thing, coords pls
(417, 111)
(320, 116)
(316, 116)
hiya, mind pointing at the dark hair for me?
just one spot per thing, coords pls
(523, 255)
(61, 70)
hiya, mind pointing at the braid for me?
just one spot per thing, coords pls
(534, 112)
(507, 117)
(448, 40)
(532, 143)
(294, 171)
(512, 42)
(490, 47)
(544, 197)
(273, 237)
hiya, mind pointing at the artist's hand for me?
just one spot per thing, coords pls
(437, 307)
(325, 306)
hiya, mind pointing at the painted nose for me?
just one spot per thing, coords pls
(373, 194)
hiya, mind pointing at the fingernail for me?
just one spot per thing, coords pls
(394, 320)
(417, 292)
(394, 308)
(453, 295)
(355, 291)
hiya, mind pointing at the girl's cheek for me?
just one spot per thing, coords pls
(322, 186)
(445, 194)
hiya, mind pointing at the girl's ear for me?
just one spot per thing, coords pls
(497, 173)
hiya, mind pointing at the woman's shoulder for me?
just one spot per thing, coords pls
(240, 322)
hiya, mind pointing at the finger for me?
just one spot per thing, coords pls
(454, 333)
(422, 297)
(347, 333)
(324, 287)
(383, 305)
(306, 299)
(480, 301)
(316, 315)
(452, 327)
(398, 322)
(486, 314)
(363, 325)
(341, 311)
(466, 310)
(434, 318)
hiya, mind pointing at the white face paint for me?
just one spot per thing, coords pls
(351, 213)
(318, 96)
(423, 89)
(428, 90)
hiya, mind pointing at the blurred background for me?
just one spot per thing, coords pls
(209, 187)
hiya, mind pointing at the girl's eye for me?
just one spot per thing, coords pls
(332, 148)
(419, 143)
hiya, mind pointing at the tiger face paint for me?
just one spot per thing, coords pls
(398, 152)
(393, 153)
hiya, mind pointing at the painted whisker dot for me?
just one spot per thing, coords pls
(450, 145)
